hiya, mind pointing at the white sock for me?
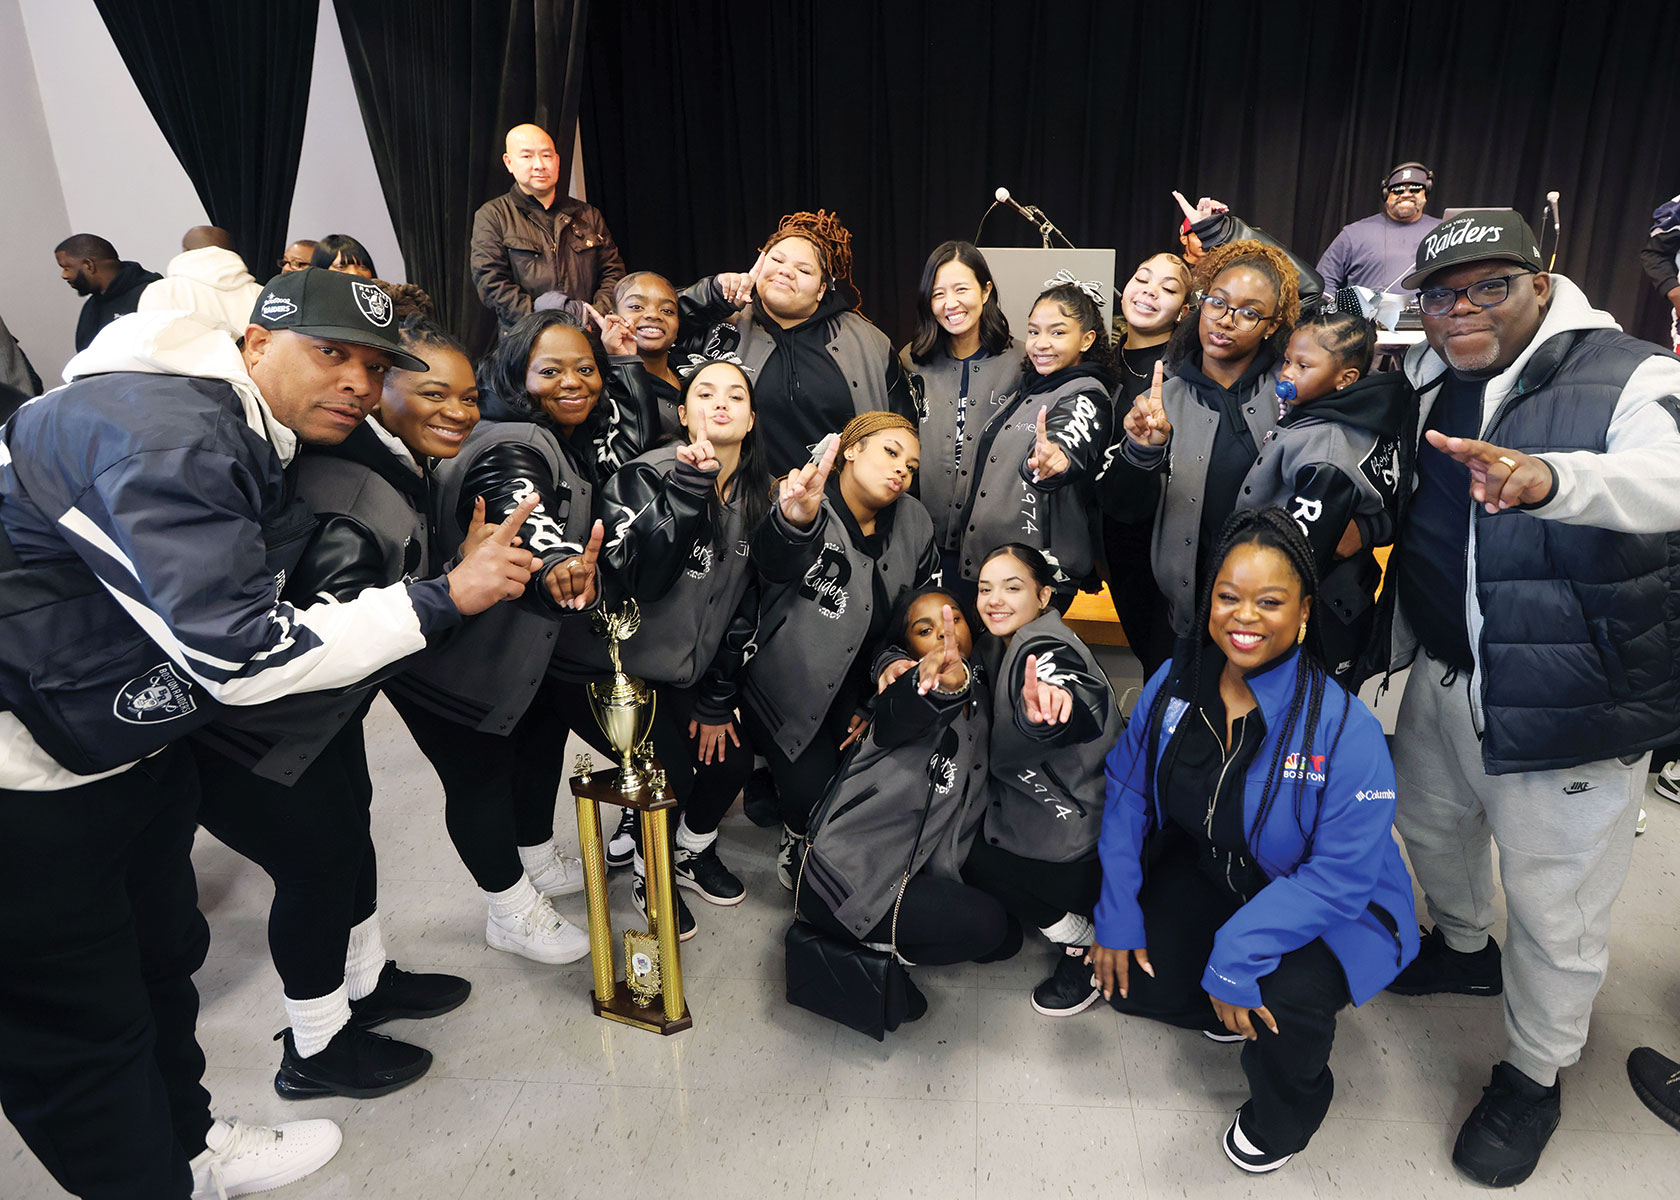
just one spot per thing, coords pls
(364, 959)
(314, 1022)
(1071, 930)
(693, 842)
(518, 900)
(536, 858)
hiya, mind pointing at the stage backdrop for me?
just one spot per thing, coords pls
(704, 120)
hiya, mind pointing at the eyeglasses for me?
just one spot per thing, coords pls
(1242, 318)
(293, 263)
(1405, 189)
(1484, 293)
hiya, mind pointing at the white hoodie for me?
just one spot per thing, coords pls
(211, 282)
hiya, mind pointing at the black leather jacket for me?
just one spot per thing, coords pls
(1228, 227)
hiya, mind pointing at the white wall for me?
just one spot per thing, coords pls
(83, 155)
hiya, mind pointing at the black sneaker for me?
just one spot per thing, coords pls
(355, 1063)
(1440, 968)
(1501, 1140)
(759, 800)
(702, 872)
(1242, 1150)
(1071, 987)
(621, 846)
(408, 994)
(1218, 1033)
(1656, 1079)
(789, 857)
(685, 919)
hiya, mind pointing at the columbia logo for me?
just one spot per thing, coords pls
(1576, 788)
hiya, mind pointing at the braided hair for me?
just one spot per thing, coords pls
(824, 231)
(1272, 264)
(865, 424)
(1347, 337)
(1275, 529)
(1075, 302)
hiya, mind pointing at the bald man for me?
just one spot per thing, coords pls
(536, 246)
(206, 278)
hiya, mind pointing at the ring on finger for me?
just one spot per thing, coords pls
(1508, 461)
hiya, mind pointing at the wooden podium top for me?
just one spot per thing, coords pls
(602, 786)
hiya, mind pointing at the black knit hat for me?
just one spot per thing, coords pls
(332, 304)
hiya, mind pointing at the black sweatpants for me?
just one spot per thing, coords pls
(802, 782)
(499, 792)
(100, 934)
(1288, 1072)
(315, 842)
(1136, 596)
(940, 921)
(704, 791)
(1036, 893)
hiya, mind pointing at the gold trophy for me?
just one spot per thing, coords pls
(624, 707)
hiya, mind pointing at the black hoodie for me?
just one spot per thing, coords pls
(118, 300)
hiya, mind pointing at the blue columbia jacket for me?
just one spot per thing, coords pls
(1351, 889)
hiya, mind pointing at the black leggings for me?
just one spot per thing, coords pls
(1288, 1072)
(704, 791)
(802, 782)
(313, 840)
(1136, 596)
(1036, 893)
(941, 921)
(499, 792)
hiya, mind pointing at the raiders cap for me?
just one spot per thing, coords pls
(332, 304)
(1472, 236)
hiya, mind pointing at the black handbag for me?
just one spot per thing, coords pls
(844, 980)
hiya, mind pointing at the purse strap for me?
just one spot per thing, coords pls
(909, 865)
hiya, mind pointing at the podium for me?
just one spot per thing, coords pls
(1019, 274)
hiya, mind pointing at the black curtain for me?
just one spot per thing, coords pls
(705, 120)
(228, 84)
(439, 83)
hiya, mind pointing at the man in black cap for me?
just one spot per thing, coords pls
(146, 528)
(1535, 580)
(1375, 251)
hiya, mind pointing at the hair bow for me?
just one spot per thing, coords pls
(1090, 288)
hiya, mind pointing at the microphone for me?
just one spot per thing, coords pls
(1552, 202)
(1003, 197)
(1557, 228)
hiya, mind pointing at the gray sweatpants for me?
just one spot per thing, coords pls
(1565, 839)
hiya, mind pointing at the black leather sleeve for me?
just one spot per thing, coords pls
(1128, 491)
(1058, 664)
(1322, 501)
(782, 553)
(927, 565)
(505, 474)
(1080, 425)
(1228, 227)
(699, 307)
(715, 695)
(903, 716)
(343, 559)
(634, 425)
(653, 521)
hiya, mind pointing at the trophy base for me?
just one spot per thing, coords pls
(623, 1009)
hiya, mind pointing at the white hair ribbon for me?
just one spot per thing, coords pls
(1065, 277)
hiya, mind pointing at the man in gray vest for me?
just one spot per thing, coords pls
(1535, 581)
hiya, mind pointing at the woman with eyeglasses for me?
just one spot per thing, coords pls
(1191, 439)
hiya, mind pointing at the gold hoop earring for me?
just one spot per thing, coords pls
(1302, 636)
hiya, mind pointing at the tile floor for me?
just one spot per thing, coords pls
(532, 1096)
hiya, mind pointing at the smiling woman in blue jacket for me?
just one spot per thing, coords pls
(1248, 865)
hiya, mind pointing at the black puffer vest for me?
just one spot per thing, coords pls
(1580, 637)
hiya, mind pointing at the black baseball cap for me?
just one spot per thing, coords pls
(1409, 172)
(333, 304)
(1473, 236)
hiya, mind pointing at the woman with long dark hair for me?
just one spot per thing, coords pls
(962, 366)
(1251, 884)
(1192, 437)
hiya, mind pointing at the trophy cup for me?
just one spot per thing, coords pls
(624, 707)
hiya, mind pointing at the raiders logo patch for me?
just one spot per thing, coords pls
(374, 303)
(277, 308)
(154, 696)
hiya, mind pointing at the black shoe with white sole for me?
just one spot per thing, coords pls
(1071, 987)
(1218, 1033)
(1242, 1151)
(703, 873)
(685, 919)
(355, 1063)
(621, 846)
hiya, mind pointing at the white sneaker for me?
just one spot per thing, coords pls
(1640, 827)
(240, 1158)
(1667, 783)
(560, 876)
(540, 934)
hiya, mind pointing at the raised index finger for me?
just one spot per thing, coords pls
(593, 550)
(1188, 209)
(1155, 384)
(1044, 424)
(510, 524)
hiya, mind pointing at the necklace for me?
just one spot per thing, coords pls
(1127, 363)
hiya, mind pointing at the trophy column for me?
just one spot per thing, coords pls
(653, 960)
